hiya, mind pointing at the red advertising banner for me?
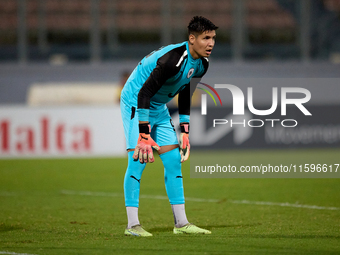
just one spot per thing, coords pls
(61, 131)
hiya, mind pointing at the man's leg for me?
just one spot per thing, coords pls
(132, 180)
(164, 134)
(133, 172)
(171, 159)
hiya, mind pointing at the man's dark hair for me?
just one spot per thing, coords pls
(199, 24)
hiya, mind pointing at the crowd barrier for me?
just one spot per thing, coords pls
(97, 131)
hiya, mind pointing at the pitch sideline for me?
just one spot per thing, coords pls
(14, 253)
(109, 194)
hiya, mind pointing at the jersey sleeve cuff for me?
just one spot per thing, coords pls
(184, 118)
(143, 114)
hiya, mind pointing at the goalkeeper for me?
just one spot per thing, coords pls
(158, 78)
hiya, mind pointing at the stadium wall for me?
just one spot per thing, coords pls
(91, 130)
(97, 131)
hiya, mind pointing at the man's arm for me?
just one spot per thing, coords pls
(165, 69)
(184, 104)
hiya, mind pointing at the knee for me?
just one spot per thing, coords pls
(172, 160)
(134, 167)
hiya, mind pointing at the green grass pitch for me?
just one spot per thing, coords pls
(76, 206)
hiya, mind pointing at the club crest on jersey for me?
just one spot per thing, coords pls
(191, 71)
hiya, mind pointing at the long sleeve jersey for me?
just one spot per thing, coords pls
(160, 76)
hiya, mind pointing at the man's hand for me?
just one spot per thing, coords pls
(184, 145)
(143, 150)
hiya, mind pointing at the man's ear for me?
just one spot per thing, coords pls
(192, 38)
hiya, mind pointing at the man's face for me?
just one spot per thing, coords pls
(202, 44)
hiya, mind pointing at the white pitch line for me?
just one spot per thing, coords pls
(110, 194)
(283, 204)
(7, 194)
(91, 193)
(14, 253)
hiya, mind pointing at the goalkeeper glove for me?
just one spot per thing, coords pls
(143, 150)
(184, 145)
